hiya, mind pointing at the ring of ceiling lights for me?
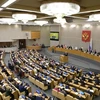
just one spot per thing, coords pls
(24, 17)
(60, 9)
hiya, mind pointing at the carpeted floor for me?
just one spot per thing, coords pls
(85, 64)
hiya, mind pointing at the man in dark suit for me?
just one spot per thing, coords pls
(21, 87)
(4, 70)
(32, 97)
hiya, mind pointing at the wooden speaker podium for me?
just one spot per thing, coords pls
(63, 58)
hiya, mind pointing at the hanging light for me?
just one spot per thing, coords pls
(24, 17)
(94, 17)
(60, 20)
(60, 9)
(8, 20)
(42, 22)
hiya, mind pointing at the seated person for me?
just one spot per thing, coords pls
(74, 89)
(81, 49)
(21, 87)
(67, 87)
(95, 52)
(9, 64)
(82, 83)
(22, 97)
(4, 70)
(61, 46)
(89, 91)
(16, 84)
(32, 97)
(81, 92)
(73, 67)
(87, 51)
(83, 78)
(76, 48)
(2, 89)
(58, 46)
(65, 54)
(49, 78)
(60, 84)
(98, 54)
(8, 91)
(76, 81)
(64, 92)
(10, 79)
(90, 73)
(20, 74)
(38, 91)
(44, 96)
(97, 81)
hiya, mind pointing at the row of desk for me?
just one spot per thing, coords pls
(9, 49)
(76, 52)
(34, 47)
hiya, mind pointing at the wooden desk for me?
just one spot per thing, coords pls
(77, 52)
(40, 95)
(64, 59)
(33, 47)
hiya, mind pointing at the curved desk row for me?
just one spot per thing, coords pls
(34, 47)
(9, 49)
(76, 52)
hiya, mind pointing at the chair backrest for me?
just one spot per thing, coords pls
(69, 97)
(75, 99)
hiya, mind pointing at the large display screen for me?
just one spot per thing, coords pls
(54, 36)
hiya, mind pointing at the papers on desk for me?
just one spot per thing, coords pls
(67, 89)
(44, 78)
(61, 87)
(18, 81)
(91, 90)
(48, 81)
(76, 93)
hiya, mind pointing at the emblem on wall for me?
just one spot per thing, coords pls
(86, 36)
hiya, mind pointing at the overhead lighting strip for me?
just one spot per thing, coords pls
(8, 3)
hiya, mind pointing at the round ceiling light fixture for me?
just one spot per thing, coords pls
(62, 21)
(24, 17)
(60, 9)
(94, 17)
(8, 20)
(42, 22)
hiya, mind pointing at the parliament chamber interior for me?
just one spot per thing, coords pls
(49, 50)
